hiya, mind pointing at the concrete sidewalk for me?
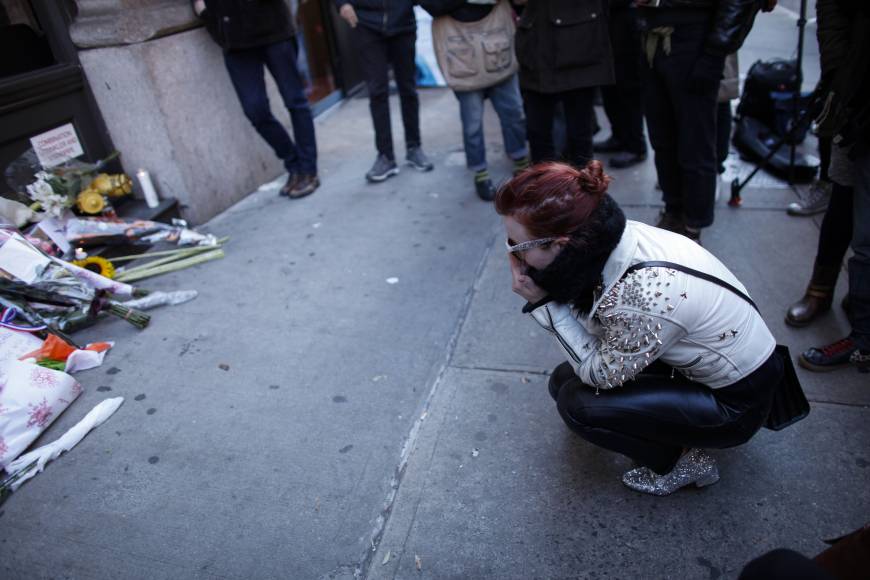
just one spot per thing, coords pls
(403, 430)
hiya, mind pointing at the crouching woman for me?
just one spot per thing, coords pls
(667, 355)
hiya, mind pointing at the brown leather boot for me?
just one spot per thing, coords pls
(817, 298)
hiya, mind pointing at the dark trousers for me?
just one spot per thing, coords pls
(624, 110)
(835, 235)
(246, 73)
(723, 134)
(540, 115)
(783, 564)
(682, 127)
(859, 263)
(654, 417)
(377, 54)
(623, 101)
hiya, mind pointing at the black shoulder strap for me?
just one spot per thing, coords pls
(690, 271)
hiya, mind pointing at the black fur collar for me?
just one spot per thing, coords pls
(575, 273)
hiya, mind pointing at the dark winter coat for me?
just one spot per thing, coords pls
(389, 17)
(242, 24)
(460, 10)
(564, 45)
(844, 54)
(731, 20)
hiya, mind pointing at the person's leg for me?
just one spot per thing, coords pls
(471, 114)
(834, 238)
(540, 112)
(245, 68)
(695, 113)
(579, 109)
(401, 52)
(783, 564)
(281, 61)
(375, 65)
(723, 134)
(653, 418)
(662, 124)
(508, 105)
(859, 263)
(612, 109)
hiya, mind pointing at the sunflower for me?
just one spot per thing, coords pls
(101, 266)
(91, 201)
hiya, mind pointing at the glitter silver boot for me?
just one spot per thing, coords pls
(694, 467)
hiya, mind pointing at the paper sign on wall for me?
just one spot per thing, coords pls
(56, 146)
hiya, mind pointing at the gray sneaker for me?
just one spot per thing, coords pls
(418, 160)
(383, 169)
(816, 201)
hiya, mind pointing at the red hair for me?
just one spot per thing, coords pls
(553, 199)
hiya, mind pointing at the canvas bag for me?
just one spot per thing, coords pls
(476, 55)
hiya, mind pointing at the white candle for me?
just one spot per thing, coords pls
(148, 191)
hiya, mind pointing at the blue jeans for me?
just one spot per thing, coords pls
(859, 263)
(508, 106)
(246, 73)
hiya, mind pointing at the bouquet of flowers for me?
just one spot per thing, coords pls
(55, 296)
(74, 184)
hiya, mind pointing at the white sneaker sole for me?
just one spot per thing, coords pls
(383, 176)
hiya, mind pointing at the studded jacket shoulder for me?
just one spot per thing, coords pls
(700, 329)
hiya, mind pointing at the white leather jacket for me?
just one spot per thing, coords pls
(706, 332)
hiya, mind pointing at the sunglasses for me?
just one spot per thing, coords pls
(516, 248)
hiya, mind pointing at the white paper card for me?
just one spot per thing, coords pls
(56, 146)
(22, 261)
(56, 231)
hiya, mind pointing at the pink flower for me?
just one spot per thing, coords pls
(39, 414)
(43, 378)
(3, 447)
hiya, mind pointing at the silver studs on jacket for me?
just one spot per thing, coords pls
(694, 467)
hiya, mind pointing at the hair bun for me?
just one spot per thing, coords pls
(593, 180)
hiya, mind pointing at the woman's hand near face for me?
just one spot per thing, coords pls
(523, 284)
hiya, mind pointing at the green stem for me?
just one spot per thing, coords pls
(171, 267)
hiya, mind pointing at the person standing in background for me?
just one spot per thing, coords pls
(475, 50)
(260, 34)
(386, 33)
(623, 101)
(563, 48)
(685, 44)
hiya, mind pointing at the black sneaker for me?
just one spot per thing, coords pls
(485, 189)
(625, 159)
(305, 185)
(609, 145)
(383, 169)
(418, 160)
(292, 178)
(831, 357)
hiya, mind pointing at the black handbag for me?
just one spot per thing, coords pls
(790, 404)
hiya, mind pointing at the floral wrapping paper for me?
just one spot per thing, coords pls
(31, 396)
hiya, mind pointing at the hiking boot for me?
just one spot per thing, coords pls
(861, 359)
(609, 145)
(817, 298)
(383, 169)
(305, 185)
(693, 234)
(625, 159)
(292, 178)
(418, 160)
(816, 201)
(671, 222)
(830, 357)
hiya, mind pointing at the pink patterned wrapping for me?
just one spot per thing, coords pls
(31, 397)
